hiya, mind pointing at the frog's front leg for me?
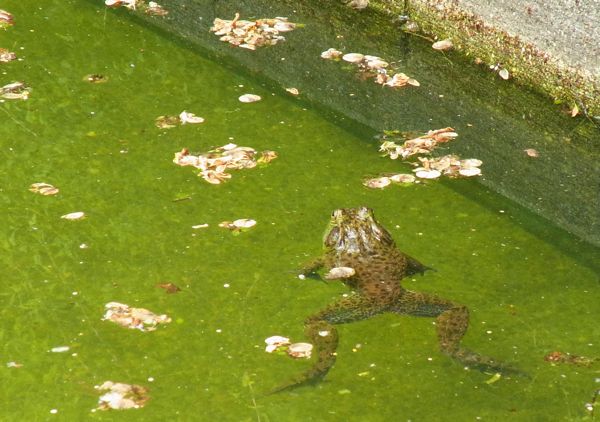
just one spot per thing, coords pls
(322, 333)
(452, 321)
(312, 266)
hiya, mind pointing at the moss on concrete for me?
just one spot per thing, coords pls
(491, 46)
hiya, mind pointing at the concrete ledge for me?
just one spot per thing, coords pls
(548, 45)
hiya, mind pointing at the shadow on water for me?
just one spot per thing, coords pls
(496, 120)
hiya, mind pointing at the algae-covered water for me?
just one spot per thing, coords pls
(529, 295)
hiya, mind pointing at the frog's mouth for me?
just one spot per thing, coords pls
(345, 232)
(355, 230)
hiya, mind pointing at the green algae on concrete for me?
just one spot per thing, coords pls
(526, 63)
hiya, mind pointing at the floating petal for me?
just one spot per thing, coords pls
(442, 45)
(249, 98)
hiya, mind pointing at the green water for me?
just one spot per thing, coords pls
(99, 146)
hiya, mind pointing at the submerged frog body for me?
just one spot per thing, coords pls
(370, 264)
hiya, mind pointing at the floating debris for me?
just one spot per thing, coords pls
(384, 181)
(166, 122)
(252, 34)
(531, 152)
(442, 45)
(6, 19)
(15, 91)
(495, 378)
(561, 357)
(575, 110)
(266, 157)
(238, 225)
(282, 344)
(503, 73)
(397, 81)
(249, 98)
(355, 58)
(372, 66)
(6, 55)
(337, 273)
(331, 54)
(402, 178)
(121, 396)
(293, 91)
(422, 145)
(134, 318)
(155, 9)
(95, 78)
(60, 349)
(130, 4)
(152, 8)
(427, 173)
(14, 365)
(378, 182)
(300, 350)
(200, 226)
(276, 342)
(426, 168)
(169, 287)
(448, 165)
(45, 189)
(78, 215)
(358, 4)
(186, 117)
(214, 164)
(594, 402)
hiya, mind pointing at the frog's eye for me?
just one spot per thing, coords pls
(332, 237)
(364, 213)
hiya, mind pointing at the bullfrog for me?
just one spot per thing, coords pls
(363, 255)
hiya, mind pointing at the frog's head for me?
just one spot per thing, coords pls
(355, 231)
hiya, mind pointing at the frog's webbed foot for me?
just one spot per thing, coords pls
(324, 337)
(474, 360)
(452, 321)
(311, 267)
(415, 267)
(322, 333)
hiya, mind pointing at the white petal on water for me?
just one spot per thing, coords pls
(331, 53)
(471, 162)
(471, 171)
(300, 350)
(186, 117)
(353, 57)
(340, 272)
(402, 178)
(442, 45)
(377, 183)
(78, 215)
(249, 98)
(244, 223)
(277, 340)
(428, 174)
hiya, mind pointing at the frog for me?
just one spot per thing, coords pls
(362, 254)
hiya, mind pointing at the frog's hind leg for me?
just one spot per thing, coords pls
(322, 333)
(452, 321)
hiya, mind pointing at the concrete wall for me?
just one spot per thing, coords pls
(568, 30)
(550, 45)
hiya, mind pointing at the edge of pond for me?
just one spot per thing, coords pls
(581, 250)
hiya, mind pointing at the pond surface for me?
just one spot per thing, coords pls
(98, 144)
